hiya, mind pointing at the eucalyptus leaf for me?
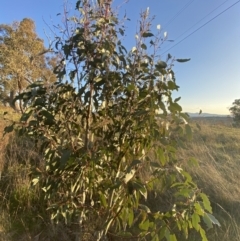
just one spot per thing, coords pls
(212, 219)
(182, 60)
(147, 34)
(195, 221)
(144, 46)
(144, 225)
(161, 65)
(206, 202)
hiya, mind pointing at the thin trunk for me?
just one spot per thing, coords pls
(11, 98)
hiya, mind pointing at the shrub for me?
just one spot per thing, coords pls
(111, 137)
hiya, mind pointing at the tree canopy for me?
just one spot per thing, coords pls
(235, 111)
(23, 60)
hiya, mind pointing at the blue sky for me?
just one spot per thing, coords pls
(210, 81)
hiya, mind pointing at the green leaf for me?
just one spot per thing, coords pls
(8, 129)
(147, 34)
(162, 232)
(175, 107)
(161, 65)
(195, 221)
(155, 238)
(203, 234)
(121, 31)
(177, 99)
(172, 85)
(102, 199)
(130, 217)
(213, 219)
(172, 237)
(206, 202)
(198, 209)
(207, 220)
(161, 156)
(144, 46)
(184, 192)
(182, 60)
(67, 50)
(144, 225)
(187, 176)
(167, 234)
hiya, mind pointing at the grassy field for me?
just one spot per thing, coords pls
(216, 147)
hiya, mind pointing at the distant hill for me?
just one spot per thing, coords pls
(206, 115)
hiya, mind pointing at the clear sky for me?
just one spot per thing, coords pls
(210, 81)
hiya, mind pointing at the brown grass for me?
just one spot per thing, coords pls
(216, 147)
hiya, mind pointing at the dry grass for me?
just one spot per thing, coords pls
(216, 147)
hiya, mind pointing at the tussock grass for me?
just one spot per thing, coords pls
(217, 149)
